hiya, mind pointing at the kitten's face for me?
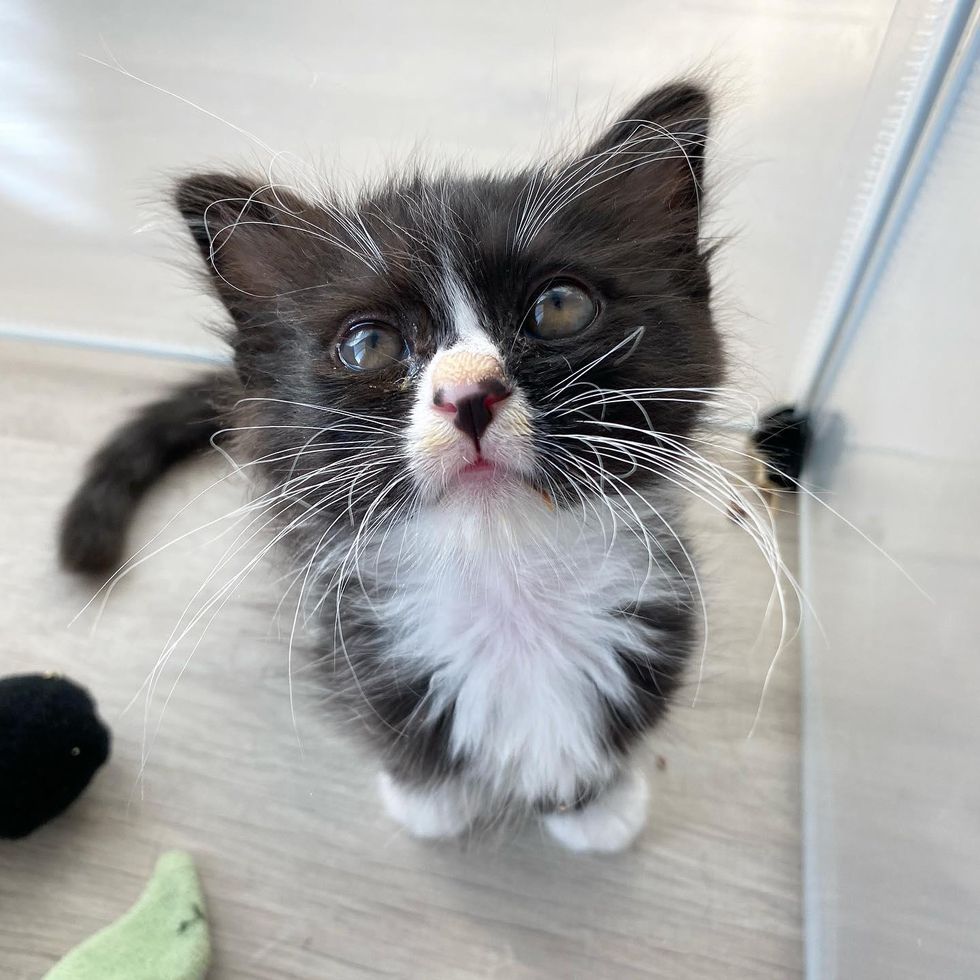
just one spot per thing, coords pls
(540, 337)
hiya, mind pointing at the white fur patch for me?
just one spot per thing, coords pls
(428, 814)
(511, 606)
(465, 318)
(608, 824)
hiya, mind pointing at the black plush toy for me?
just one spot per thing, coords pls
(51, 744)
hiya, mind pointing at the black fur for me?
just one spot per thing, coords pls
(292, 273)
(93, 529)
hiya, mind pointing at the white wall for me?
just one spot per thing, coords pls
(350, 86)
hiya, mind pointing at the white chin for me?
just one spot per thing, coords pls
(495, 489)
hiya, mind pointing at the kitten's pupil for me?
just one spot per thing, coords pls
(371, 346)
(564, 308)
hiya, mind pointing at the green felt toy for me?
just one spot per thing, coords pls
(164, 936)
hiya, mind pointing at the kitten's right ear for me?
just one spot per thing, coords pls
(248, 233)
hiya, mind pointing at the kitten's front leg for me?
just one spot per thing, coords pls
(609, 823)
(427, 812)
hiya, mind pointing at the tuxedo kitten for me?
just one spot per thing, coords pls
(467, 399)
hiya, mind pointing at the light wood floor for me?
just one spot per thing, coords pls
(305, 877)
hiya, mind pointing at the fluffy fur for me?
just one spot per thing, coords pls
(503, 612)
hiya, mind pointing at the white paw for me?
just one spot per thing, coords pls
(609, 823)
(427, 813)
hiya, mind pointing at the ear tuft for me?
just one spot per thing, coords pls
(251, 235)
(209, 203)
(679, 109)
(659, 144)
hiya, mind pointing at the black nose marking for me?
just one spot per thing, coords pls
(473, 416)
(474, 410)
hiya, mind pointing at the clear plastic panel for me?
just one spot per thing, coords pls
(892, 677)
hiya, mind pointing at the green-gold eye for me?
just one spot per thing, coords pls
(561, 310)
(371, 346)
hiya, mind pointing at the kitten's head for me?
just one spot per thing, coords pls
(542, 337)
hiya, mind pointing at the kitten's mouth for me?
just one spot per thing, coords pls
(481, 469)
(485, 473)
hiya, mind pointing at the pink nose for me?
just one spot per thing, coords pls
(472, 404)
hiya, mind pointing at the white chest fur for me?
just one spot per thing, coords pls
(515, 616)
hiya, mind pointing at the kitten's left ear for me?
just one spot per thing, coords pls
(655, 152)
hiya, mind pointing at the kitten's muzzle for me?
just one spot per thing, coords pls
(468, 384)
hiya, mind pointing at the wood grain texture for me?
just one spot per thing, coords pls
(305, 877)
